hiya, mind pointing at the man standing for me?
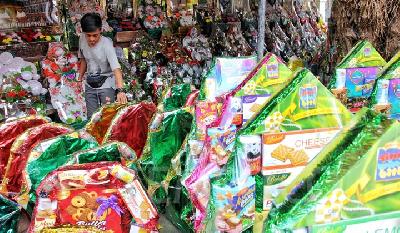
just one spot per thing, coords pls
(98, 59)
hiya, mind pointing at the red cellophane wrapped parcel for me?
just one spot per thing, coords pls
(104, 195)
(130, 125)
(21, 149)
(9, 132)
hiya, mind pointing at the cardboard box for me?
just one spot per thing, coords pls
(286, 154)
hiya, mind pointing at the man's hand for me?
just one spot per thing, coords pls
(121, 98)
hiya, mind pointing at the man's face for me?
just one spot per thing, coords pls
(93, 37)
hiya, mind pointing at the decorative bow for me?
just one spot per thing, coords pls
(111, 202)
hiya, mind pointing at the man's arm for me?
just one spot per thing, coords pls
(82, 68)
(116, 68)
(119, 82)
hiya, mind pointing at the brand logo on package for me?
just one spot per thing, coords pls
(357, 77)
(308, 97)
(243, 198)
(388, 164)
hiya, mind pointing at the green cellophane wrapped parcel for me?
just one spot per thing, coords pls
(161, 165)
(164, 141)
(113, 151)
(304, 106)
(354, 77)
(10, 214)
(344, 187)
(385, 96)
(358, 56)
(49, 155)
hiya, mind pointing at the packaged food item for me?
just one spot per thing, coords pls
(234, 206)
(385, 97)
(232, 71)
(251, 151)
(94, 195)
(206, 114)
(221, 143)
(355, 75)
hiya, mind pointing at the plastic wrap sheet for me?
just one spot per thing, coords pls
(130, 126)
(102, 119)
(191, 99)
(10, 214)
(385, 96)
(105, 195)
(46, 157)
(21, 149)
(294, 211)
(9, 132)
(177, 97)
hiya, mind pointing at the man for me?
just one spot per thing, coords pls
(98, 59)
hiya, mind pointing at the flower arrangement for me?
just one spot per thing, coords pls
(35, 35)
(17, 75)
(9, 38)
(197, 46)
(152, 17)
(79, 8)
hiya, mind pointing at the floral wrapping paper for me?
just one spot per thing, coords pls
(67, 97)
(66, 90)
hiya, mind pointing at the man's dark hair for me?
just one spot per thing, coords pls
(90, 22)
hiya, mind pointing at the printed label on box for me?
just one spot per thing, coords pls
(284, 151)
(286, 154)
(273, 70)
(360, 81)
(388, 162)
(273, 185)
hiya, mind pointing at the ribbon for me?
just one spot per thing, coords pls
(105, 204)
